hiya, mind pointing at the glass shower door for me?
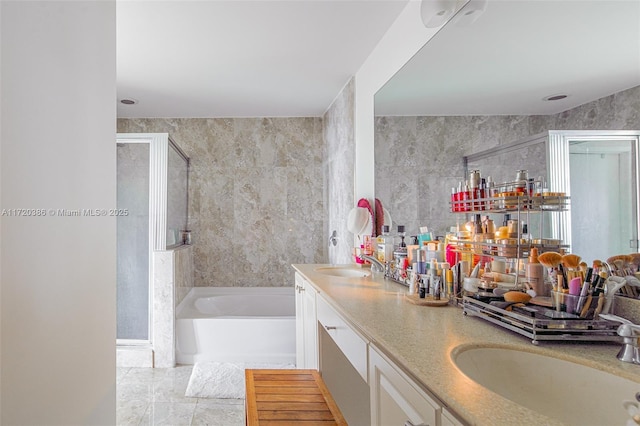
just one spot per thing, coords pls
(133, 251)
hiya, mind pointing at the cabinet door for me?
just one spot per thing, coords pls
(395, 399)
(310, 327)
(306, 325)
(350, 342)
(300, 362)
(448, 419)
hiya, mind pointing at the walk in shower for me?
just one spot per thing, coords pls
(152, 194)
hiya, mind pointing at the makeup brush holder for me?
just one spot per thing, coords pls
(575, 306)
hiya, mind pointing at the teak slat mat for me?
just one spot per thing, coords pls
(289, 397)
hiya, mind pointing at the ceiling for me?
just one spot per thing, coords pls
(268, 58)
(518, 52)
(240, 58)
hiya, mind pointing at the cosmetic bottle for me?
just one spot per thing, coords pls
(482, 194)
(449, 280)
(424, 236)
(412, 248)
(399, 240)
(491, 193)
(525, 237)
(535, 274)
(465, 198)
(385, 245)
(421, 264)
(454, 200)
(435, 285)
(474, 189)
(366, 249)
(522, 179)
(450, 242)
(423, 285)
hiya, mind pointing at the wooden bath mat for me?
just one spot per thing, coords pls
(289, 397)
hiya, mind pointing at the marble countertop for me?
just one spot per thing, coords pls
(420, 339)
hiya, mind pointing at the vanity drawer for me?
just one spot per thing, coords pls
(352, 344)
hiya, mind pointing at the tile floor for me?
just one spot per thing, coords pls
(155, 396)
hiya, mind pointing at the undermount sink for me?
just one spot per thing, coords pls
(341, 271)
(564, 390)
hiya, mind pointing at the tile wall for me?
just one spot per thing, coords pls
(339, 172)
(255, 195)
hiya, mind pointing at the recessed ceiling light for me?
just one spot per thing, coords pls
(555, 97)
(128, 101)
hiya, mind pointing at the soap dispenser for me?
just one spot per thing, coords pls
(535, 274)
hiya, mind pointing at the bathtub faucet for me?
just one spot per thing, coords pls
(376, 265)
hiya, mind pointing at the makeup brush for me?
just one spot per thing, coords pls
(635, 261)
(571, 261)
(551, 260)
(597, 266)
(620, 264)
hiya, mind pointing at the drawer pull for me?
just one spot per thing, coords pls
(330, 327)
(408, 423)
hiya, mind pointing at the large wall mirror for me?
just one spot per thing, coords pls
(482, 82)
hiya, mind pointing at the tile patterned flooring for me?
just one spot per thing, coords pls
(155, 396)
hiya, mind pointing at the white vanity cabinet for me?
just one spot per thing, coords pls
(448, 419)
(306, 324)
(395, 398)
(368, 386)
(350, 342)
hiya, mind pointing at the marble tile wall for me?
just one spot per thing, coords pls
(172, 280)
(183, 259)
(418, 159)
(163, 306)
(339, 161)
(255, 195)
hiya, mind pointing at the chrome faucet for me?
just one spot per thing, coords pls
(376, 265)
(629, 333)
(629, 351)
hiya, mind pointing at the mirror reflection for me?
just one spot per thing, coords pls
(482, 85)
(600, 173)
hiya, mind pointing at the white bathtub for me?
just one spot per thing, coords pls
(236, 324)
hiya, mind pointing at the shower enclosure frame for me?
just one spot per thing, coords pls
(159, 146)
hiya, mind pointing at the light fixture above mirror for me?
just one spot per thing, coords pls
(435, 13)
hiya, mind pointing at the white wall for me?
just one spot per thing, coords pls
(405, 38)
(57, 151)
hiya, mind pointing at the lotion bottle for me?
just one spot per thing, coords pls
(535, 274)
(385, 245)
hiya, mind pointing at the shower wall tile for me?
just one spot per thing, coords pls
(255, 195)
(183, 259)
(339, 159)
(163, 309)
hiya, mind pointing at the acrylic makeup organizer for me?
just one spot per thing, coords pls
(523, 205)
(534, 322)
